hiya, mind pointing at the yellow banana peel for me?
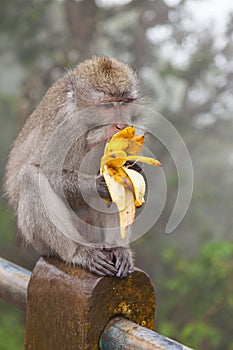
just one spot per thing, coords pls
(126, 186)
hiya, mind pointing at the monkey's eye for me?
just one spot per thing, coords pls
(126, 101)
(122, 103)
(108, 105)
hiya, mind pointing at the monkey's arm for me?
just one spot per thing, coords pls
(37, 228)
(76, 183)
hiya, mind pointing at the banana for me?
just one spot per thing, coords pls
(116, 189)
(126, 133)
(126, 186)
(135, 145)
(139, 185)
(127, 215)
(123, 197)
(114, 159)
(131, 146)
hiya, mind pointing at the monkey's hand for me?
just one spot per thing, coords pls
(122, 257)
(101, 184)
(95, 260)
(102, 188)
(135, 166)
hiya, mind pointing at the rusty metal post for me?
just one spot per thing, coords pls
(68, 307)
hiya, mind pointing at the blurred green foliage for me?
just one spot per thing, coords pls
(11, 328)
(6, 227)
(197, 297)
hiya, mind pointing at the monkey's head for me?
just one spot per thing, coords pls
(102, 80)
(107, 84)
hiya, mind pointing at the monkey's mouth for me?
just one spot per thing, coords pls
(116, 128)
(103, 134)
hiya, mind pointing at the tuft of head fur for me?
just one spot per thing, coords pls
(101, 79)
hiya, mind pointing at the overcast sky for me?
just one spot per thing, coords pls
(207, 11)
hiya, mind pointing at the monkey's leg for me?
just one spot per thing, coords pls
(74, 183)
(37, 228)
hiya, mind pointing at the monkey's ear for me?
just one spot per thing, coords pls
(70, 85)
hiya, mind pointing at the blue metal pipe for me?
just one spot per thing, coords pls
(120, 334)
(13, 283)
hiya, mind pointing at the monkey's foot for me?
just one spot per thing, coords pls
(95, 260)
(122, 257)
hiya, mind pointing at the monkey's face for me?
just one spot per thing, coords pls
(107, 87)
(115, 116)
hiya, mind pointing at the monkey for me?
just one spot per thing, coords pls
(99, 83)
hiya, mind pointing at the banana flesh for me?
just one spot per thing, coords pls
(139, 185)
(126, 186)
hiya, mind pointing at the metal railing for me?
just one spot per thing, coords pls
(119, 333)
(13, 283)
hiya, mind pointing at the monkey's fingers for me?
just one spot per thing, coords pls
(125, 267)
(133, 165)
(101, 271)
(102, 264)
(102, 188)
(123, 261)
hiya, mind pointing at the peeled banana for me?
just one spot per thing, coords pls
(126, 186)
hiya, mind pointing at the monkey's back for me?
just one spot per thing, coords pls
(30, 143)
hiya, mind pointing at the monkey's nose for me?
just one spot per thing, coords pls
(121, 126)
